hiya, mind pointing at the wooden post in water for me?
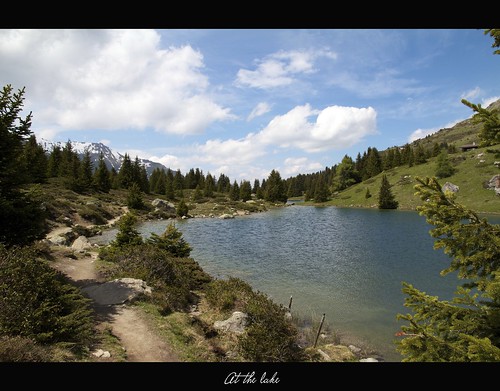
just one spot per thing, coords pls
(290, 304)
(319, 330)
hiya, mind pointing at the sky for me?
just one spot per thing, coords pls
(246, 101)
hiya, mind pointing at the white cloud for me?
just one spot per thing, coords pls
(231, 152)
(488, 101)
(382, 83)
(302, 165)
(105, 142)
(422, 133)
(260, 109)
(279, 69)
(108, 79)
(471, 94)
(169, 161)
(335, 127)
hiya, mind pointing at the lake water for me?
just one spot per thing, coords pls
(346, 263)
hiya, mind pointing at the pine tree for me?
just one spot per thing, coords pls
(490, 119)
(444, 168)
(127, 235)
(386, 199)
(172, 241)
(466, 328)
(234, 193)
(85, 173)
(182, 208)
(320, 190)
(169, 185)
(245, 191)
(209, 187)
(134, 197)
(101, 178)
(197, 195)
(126, 173)
(54, 163)
(35, 161)
(275, 188)
(22, 219)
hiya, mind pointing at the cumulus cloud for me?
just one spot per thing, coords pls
(474, 93)
(108, 79)
(301, 165)
(335, 127)
(260, 109)
(421, 133)
(280, 68)
(488, 101)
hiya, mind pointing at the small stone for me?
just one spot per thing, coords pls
(354, 349)
(369, 359)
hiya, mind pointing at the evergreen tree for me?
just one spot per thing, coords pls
(54, 163)
(386, 199)
(234, 193)
(161, 185)
(256, 186)
(35, 161)
(134, 197)
(419, 155)
(436, 149)
(245, 191)
(275, 188)
(172, 241)
(209, 187)
(444, 168)
(182, 208)
(388, 160)
(197, 195)
(113, 178)
(127, 235)
(495, 33)
(126, 173)
(320, 191)
(466, 328)
(490, 119)
(346, 174)
(169, 185)
(22, 219)
(143, 180)
(397, 157)
(85, 173)
(373, 165)
(101, 177)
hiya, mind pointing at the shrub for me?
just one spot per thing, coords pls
(21, 349)
(38, 302)
(172, 241)
(228, 295)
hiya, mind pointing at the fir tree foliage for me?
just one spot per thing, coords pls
(172, 241)
(490, 119)
(127, 234)
(182, 208)
(466, 328)
(275, 190)
(134, 197)
(444, 168)
(386, 199)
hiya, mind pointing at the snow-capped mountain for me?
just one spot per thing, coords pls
(112, 159)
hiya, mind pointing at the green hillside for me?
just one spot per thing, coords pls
(474, 169)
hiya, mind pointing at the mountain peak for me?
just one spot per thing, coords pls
(111, 158)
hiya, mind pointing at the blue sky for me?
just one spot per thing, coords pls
(244, 102)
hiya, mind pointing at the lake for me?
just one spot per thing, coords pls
(347, 263)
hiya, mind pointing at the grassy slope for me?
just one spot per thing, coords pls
(470, 175)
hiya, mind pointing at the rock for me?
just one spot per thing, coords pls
(448, 186)
(369, 359)
(226, 216)
(81, 243)
(118, 291)
(235, 324)
(163, 205)
(497, 164)
(101, 353)
(338, 353)
(58, 240)
(354, 349)
(494, 184)
(324, 356)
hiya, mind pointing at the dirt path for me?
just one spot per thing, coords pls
(128, 323)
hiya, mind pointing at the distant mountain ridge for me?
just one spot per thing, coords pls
(111, 158)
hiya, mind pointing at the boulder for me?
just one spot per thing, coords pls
(494, 184)
(226, 216)
(163, 205)
(81, 243)
(118, 291)
(235, 324)
(369, 359)
(354, 349)
(448, 186)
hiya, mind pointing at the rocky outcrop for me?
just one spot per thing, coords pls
(118, 291)
(448, 186)
(494, 184)
(81, 243)
(235, 324)
(163, 206)
(336, 353)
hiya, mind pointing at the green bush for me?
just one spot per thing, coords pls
(21, 349)
(171, 278)
(38, 302)
(270, 335)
